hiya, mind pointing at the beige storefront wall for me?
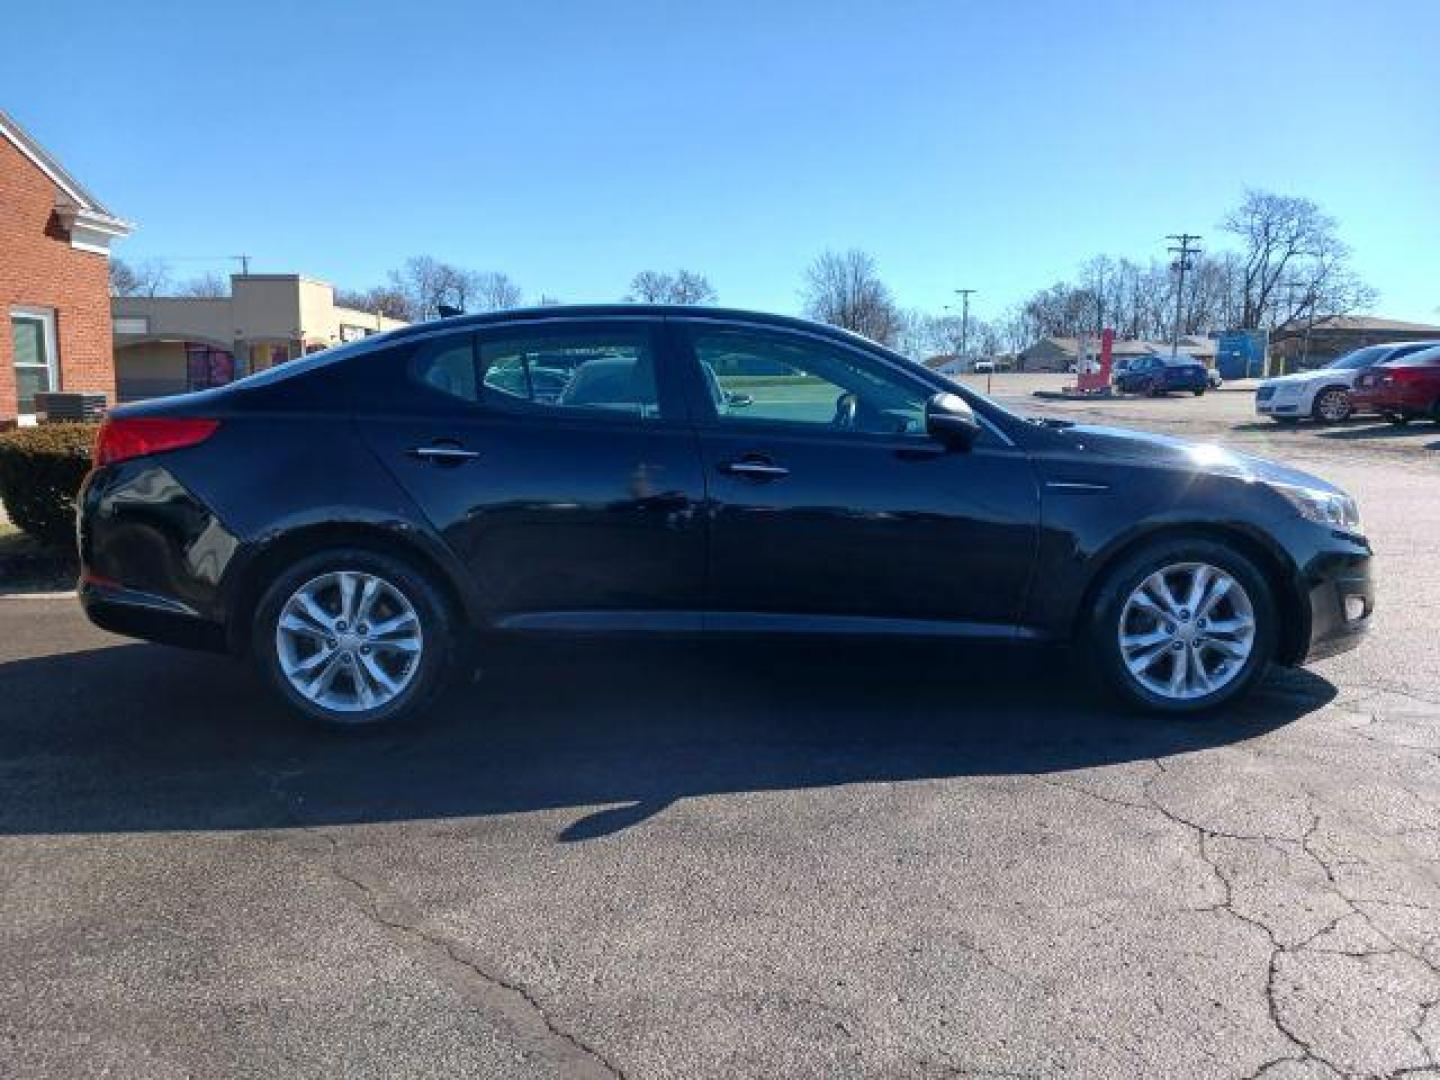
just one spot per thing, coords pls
(149, 369)
(266, 319)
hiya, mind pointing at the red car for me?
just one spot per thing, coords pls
(1402, 389)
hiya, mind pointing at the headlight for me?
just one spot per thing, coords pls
(1324, 507)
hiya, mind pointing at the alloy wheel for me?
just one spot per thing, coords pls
(1333, 406)
(349, 641)
(1186, 631)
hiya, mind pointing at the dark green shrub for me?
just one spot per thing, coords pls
(40, 473)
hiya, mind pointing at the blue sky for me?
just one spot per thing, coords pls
(991, 145)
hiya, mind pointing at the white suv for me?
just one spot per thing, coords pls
(1324, 394)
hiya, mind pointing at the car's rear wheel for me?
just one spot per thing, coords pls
(353, 638)
(1199, 391)
(1332, 406)
(1183, 626)
(1398, 419)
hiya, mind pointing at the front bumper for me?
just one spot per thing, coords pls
(1278, 404)
(1341, 601)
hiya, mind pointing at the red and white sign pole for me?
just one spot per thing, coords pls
(1090, 379)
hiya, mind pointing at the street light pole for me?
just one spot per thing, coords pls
(1183, 253)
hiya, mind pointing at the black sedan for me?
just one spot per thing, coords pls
(359, 521)
(1156, 375)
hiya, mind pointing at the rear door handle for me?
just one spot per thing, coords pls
(443, 454)
(754, 469)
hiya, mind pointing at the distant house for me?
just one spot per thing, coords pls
(54, 279)
(946, 364)
(1059, 353)
(173, 344)
(949, 364)
(1299, 345)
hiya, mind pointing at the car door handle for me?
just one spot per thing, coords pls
(443, 454)
(756, 470)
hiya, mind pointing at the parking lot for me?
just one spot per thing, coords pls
(779, 862)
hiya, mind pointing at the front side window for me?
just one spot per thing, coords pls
(757, 376)
(32, 336)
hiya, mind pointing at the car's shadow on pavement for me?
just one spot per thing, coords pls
(139, 737)
(1409, 433)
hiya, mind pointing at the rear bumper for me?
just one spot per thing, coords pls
(1341, 599)
(152, 556)
(149, 617)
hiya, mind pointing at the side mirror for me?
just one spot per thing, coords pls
(951, 421)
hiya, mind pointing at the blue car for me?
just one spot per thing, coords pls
(1155, 375)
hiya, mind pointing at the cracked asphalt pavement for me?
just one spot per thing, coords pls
(761, 861)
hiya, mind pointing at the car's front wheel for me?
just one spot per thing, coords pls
(1183, 626)
(1332, 406)
(353, 638)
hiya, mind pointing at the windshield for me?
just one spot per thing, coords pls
(1359, 358)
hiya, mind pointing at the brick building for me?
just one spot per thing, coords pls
(54, 278)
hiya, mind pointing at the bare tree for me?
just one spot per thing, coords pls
(427, 283)
(1287, 239)
(915, 335)
(681, 287)
(490, 291)
(149, 277)
(209, 286)
(380, 300)
(845, 290)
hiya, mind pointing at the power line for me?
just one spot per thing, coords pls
(243, 260)
(1182, 262)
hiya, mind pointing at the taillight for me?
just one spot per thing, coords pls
(122, 438)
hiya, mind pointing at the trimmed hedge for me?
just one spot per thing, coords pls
(40, 473)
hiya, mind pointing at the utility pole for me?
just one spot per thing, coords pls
(1182, 261)
(964, 295)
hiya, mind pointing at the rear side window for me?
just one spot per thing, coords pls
(604, 370)
(448, 365)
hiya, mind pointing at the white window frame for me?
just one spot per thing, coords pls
(46, 318)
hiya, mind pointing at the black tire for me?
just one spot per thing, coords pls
(1335, 395)
(437, 627)
(1398, 419)
(1103, 628)
(1198, 391)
